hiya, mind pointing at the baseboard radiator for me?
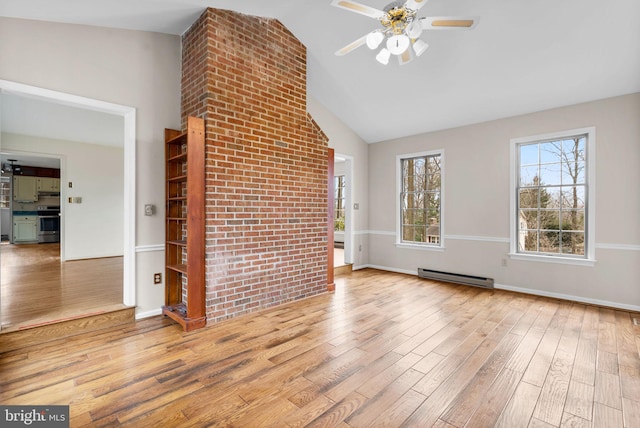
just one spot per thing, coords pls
(457, 278)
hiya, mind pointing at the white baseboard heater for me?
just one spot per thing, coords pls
(457, 278)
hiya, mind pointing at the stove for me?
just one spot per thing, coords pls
(48, 223)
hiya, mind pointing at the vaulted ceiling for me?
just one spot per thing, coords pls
(523, 56)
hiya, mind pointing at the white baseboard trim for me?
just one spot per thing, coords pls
(542, 293)
(149, 248)
(93, 256)
(572, 298)
(390, 269)
(148, 314)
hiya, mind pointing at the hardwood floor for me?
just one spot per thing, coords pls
(384, 350)
(338, 257)
(37, 289)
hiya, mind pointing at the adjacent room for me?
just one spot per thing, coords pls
(320, 213)
(51, 267)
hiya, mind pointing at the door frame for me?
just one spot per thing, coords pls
(348, 210)
(331, 285)
(129, 116)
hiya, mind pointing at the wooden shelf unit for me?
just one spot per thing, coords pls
(185, 241)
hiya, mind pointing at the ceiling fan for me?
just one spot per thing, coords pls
(400, 28)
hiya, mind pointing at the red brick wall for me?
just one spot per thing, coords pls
(266, 163)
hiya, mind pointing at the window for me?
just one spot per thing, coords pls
(339, 203)
(420, 213)
(551, 184)
(5, 192)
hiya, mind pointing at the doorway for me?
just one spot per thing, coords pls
(343, 210)
(126, 116)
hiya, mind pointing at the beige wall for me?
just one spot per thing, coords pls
(476, 212)
(142, 70)
(97, 173)
(131, 68)
(346, 142)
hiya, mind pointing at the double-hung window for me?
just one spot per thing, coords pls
(420, 178)
(552, 196)
(5, 192)
(339, 203)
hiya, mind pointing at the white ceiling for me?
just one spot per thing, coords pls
(23, 115)
(524, 56)
(30, 116)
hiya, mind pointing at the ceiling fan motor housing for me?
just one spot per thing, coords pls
(397, 17)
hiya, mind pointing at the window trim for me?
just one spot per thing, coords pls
(590, 210)
(417, 245)
(344, 199)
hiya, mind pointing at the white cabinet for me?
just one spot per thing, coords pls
(48, 184)
(25, 228)
(25, 188)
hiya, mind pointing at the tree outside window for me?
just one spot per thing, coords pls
(552, 197)
(339, 203)
(5, 192)
(421, 199)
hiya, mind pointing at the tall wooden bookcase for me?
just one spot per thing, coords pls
(185, 241)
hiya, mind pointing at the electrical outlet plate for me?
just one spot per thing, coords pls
(157, 278)
(636, 321)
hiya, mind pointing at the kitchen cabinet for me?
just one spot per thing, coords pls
(25, 228)
(25, 188)
(48, 184)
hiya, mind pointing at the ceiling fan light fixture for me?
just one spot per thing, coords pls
(419, 47)
(401, 28)
(414, 30)
(398, 43)
(374, 39)
(383, 56)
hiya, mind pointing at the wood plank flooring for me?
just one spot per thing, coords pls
(37, 289)
(385, 349)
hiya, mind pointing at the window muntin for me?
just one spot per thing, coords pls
(552, 197)
(5, 192)
(421, 199)
(339, 201)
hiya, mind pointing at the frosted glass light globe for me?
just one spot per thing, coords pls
(398, 44)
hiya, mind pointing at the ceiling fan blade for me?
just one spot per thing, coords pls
(415, 4)
(359, 8)
(405, 57)
(449, 22)
(352, 46)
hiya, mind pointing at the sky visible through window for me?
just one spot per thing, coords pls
(552, 196)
